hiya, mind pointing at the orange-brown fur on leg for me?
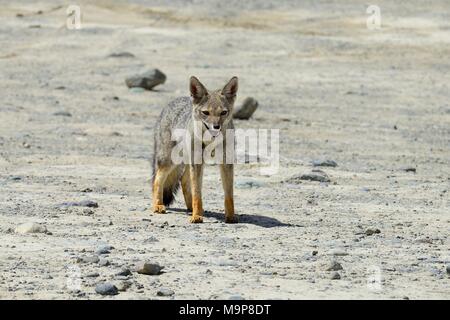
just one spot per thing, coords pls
(226, 173)
(196, 175)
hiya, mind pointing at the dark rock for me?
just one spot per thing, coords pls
(147, 80)
(165, 292)
(335, 276)
(324, 163)
(88, 259)
(62, 114)
(106, 289)
(123, 54)
(410, 169)
(371, 231)
(334, 266)
(246, 110)
(124, 272)
(448, 269)
(83, 203)
(149, 268)
(313, 176)
(92, 275)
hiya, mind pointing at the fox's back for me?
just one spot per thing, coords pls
(176, 114)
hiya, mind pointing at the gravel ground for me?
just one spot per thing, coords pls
(76, 143)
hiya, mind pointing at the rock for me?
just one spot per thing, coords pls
(148, 268)
(147, 80)
(313, 176)
(82, 203)
(31, 227)
(62, 114)
(104, 249)
(448, 269)
(324, 163)
(106, 289)
(123, 54)
(165, 292)
(123, 285)
(335, 276)
(247, 184)
(246, 110)
(103, 262)
(88, 259)
(371, 231)
(124, 272)
(315, 252)
(92, 275)
(334, 266)
(410, 169)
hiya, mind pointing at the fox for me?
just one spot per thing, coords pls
(213, 111)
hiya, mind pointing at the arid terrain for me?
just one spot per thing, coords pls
(377, 102)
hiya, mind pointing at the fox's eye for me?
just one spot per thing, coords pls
(205, 113)
(224, 112)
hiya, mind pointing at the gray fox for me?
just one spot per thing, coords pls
(212, 110)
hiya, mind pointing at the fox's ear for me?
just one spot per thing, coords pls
(198, 90)
(230, 89)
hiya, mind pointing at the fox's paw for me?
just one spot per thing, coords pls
(231, 219)
(159, 208)
(196, 219)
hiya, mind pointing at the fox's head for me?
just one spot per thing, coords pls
(213, 108)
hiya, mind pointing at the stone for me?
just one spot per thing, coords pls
(335, 276)
(247, 184)
(92, 275)
(147, 80)
(165, 292)
(148, 268)
(82, 203)
(371, 231)
(103, 262)
(246, 109)
(123, 54)
(124, 272)
(31, 227)
(410, 169)
(88, 259)
(448, 269)
(324, 163)
(62, 114)
(334, 266)
(104, 249)
(313, 176)
(106, 289)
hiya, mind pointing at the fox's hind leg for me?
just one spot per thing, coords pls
(158, 188)
(186, 187)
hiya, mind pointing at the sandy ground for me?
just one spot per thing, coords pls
(374, 101)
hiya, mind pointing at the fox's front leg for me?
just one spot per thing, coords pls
(226, 173)
(196, 176)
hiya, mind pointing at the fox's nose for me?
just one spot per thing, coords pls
(216, 126)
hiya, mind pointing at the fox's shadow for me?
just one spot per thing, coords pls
(257, 220)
